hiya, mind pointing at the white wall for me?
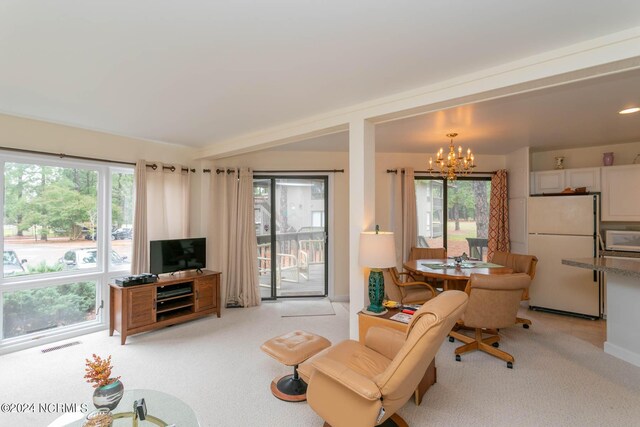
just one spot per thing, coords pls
(16, 132)
(584, 157)
(517, 165)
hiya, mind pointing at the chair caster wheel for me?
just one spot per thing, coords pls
(524, 325)
(458, 358)
(451, 339)
(509, 365)
(496, 344)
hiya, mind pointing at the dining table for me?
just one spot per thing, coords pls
(455, 275)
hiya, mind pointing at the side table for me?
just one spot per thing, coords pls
(366, 321)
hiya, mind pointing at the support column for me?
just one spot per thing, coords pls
(362, 192)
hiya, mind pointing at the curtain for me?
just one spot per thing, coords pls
(409, 213)
(234, 235)
(498, 215)
(403, 213)
(168, 202)
(162, 209)
(140, 256)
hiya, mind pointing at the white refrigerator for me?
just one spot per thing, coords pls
(563, 227)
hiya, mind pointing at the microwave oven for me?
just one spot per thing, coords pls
(618, 240)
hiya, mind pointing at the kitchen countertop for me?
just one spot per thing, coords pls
(625, 254)
(624, 267)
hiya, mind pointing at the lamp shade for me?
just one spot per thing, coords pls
(377, 250)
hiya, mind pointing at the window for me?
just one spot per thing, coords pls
(62, 220)
(464, 205)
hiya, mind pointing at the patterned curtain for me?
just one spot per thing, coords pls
(499, 214)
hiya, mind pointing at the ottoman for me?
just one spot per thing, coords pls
(291, 349)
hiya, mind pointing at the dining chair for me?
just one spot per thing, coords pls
(494, 301)
(519, 264)
(406, 289)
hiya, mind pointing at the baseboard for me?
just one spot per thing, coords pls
(622, 353)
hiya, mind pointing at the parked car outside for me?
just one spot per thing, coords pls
(12, 264)
(82, 258)
(122, 234)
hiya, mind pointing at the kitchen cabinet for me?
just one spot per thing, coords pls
(621, 193)
(583, 177)
(548, 181)
(554, 181)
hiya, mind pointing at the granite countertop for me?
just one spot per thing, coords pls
(625, 254)
(624, 267)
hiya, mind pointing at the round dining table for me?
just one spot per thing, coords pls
(454, 276)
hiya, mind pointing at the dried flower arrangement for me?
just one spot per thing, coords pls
(99, 371)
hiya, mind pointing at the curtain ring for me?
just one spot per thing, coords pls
(154, 166)
(172, 168)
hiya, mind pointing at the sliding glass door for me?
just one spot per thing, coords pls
(291, 228)
(454, 214)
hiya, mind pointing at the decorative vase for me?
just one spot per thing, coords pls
(99, 418)
(607, 159)
(559, 162)
(108, 396)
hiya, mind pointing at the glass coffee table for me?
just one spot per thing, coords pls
(163, 410)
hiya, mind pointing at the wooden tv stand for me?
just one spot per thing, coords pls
(172, 299)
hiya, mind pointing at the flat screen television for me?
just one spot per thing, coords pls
(169, 256)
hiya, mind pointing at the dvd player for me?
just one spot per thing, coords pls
(138, 279)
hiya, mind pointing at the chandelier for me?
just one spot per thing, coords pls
(453, 165)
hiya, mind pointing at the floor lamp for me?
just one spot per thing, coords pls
(377, 251)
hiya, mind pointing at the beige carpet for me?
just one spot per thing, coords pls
(306, 307)
(216, 366)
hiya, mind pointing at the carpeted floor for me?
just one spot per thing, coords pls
(216, 366)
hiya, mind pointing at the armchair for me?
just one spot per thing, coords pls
(403, 287)
(519, 264)
(356, 385)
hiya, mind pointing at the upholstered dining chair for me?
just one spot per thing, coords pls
(429, 253)
(405, 288)
(519, 264)
(363, 385)
(494, 300)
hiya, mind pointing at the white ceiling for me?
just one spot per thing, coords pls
(198, 72)
(572, 115)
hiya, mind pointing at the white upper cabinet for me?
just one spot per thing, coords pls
(583, 177)
(554, 181)
(548, 181)
(621, 193)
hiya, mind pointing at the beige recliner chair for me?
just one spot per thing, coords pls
(356, 385)
(519, 264)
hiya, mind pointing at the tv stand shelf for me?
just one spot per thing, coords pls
(172, 299)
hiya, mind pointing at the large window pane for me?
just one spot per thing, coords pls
(50, 215)
(430, 210)
(30, 311)
(122, 205)
(468, 217)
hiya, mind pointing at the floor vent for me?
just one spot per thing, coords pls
(58, 347)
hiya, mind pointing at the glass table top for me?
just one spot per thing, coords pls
(162, 410)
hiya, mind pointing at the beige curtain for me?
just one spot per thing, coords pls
(233, 232)
(403, 213)
(168, 202)
(498, 215)
(140, 256)
(162, 209)
(409, 213)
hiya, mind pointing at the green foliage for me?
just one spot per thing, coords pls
(43, 267)
(32, 310)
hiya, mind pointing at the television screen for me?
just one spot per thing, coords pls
(168, 256)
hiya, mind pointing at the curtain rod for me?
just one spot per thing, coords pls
(94, 159)
(395, 171)
(219, 171)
